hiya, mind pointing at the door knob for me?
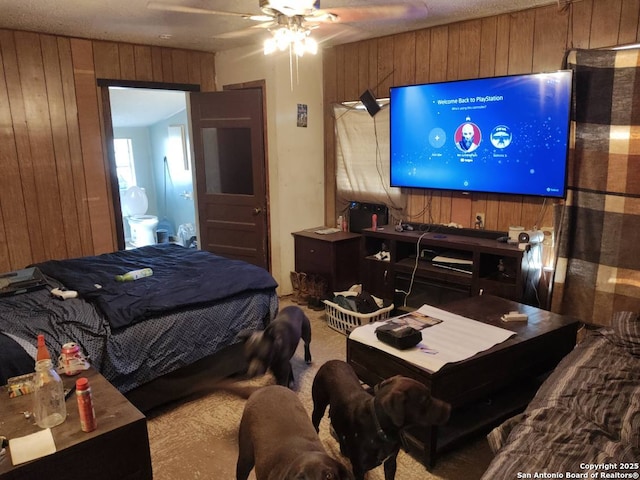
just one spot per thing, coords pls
(257, 211)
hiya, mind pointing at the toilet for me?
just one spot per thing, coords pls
(143, 227)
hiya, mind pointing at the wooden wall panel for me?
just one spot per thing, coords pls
(488, 37)
(521, 42)
(127, 61)
(34, 248)
(385, 69)
(629, 22)
(15, 245)
(69, 234)
(549, 39)
(55, 200)
(142, 60)
(404, 59)
(605, 24)
(75, 148)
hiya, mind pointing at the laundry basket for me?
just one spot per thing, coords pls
(344, 320)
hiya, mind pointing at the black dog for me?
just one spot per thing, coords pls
(369, 426)
(273, 347)
(277, 437)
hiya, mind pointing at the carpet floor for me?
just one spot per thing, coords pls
(197, 438)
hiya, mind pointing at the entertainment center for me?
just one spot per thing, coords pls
(435, 266)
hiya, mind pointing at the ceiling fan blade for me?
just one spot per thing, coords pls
(245, 31)
(370, 13)
(183, 9)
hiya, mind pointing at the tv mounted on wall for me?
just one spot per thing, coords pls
(496, 135)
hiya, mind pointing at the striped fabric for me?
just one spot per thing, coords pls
(586, 413)
(598, 265)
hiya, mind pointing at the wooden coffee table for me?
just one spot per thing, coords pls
(486, 388)
(118, 448)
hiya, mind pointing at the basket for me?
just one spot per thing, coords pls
(343, 320)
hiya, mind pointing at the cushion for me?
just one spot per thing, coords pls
(626, 331)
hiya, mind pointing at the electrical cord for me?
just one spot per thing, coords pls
(415, 268)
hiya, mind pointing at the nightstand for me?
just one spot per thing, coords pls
(334, 256)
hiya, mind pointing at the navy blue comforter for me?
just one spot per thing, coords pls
(181, 278)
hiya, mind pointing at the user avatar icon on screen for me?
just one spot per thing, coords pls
(501, 136)
(468, 137)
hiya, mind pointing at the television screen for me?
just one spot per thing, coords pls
(497, 135)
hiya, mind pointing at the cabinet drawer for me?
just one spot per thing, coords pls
(313, 255)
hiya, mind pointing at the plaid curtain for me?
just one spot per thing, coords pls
(598, 248)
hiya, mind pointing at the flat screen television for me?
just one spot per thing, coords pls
(505, 134)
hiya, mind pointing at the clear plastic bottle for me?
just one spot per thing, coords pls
(49, 406)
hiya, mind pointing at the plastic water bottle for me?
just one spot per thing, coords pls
(49, 406)
(134, 275)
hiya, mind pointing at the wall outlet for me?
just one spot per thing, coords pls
(478, 221)
(549, 236)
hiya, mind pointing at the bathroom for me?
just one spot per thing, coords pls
(155, 171)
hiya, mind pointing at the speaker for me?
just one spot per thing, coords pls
(360, 215)
(531, 236)
(368, 99)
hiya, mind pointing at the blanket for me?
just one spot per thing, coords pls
(182, 278)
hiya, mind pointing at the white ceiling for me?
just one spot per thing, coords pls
(133, 22)
(142, 107)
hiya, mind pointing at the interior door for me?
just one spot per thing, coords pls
(229, 153)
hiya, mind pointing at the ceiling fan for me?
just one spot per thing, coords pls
(290, 22)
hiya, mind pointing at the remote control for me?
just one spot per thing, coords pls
(63, 294)
(515, 317)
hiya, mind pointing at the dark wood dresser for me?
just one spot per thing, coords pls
(335, 256)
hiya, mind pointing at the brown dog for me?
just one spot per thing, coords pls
(274, 347)
(276, 435)
(369, 427)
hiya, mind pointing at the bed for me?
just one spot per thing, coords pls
(152, 337)
(584, 421)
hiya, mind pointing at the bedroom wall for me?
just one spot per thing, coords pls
(54, 200)
(528, 41)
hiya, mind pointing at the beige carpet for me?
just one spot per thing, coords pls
(196, 439)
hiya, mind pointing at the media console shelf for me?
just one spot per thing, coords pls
(435, 267)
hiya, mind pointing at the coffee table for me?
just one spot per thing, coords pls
(485, 389)
(118, 448)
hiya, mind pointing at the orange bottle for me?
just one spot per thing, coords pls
(43, 353)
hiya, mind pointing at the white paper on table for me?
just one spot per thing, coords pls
(455, 339)
(30, 447)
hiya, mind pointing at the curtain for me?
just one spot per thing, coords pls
(362, 160)
(598, 259)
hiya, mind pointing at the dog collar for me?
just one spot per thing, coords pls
(381, 433)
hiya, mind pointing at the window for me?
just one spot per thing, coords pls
(124, 163)
(362, 159)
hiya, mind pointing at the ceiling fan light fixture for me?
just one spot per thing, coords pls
(292, 36)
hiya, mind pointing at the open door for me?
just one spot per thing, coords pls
(230, 172)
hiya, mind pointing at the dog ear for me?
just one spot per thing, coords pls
(393, 404)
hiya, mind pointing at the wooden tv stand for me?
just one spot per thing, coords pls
(496, 268)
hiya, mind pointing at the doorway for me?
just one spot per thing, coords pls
(153, 165)
(247, 214)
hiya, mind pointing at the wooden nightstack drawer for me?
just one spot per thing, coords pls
(335, 256)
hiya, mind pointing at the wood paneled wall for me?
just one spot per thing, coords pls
(522, 42)
(54, 196)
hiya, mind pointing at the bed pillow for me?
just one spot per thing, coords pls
(626, 331)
